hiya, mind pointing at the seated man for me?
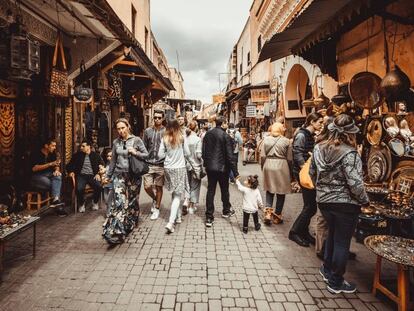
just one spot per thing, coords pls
(249, 149)
(84, 165)
(46, 175)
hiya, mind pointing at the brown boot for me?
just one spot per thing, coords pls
(268, 211)
(277, 219)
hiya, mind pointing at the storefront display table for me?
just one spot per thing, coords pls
(8, 235)
(399, 251)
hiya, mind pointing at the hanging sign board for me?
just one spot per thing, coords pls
(250, 111)
(260, 95)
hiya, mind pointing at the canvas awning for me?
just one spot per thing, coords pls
(319, 21)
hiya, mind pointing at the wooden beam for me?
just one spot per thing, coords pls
(127, 74)
(128, 63)
(112, 64)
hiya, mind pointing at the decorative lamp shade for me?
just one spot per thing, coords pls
(321, 101)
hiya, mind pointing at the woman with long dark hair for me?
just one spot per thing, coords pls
(124, 209)
(303, 144)
(174, 150)
(336, 171)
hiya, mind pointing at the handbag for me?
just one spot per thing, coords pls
(304, 177)
(137, 167)
(59, 78)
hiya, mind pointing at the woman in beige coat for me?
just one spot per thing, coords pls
(276, 174)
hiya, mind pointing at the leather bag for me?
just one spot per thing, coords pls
(304, 177)
(59, 77)
(137, 167)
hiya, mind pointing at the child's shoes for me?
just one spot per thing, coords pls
(245, 230)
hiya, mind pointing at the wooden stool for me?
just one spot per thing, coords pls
(35, 201)
(399, 251)
(402, 298)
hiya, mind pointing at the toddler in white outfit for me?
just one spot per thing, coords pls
(252, 201)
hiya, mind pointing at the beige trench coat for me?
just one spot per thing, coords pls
(276, 174)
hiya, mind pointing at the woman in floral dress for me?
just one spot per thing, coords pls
(124, 208)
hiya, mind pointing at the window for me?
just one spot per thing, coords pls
(248, 59)
(146, 40)
(259, 44)
(293, 105)
(133, 19)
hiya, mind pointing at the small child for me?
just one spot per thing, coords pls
(252, 201)
(108, 186)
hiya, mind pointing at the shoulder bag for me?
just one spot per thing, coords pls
(304, 177)
(137, 167)
(59, 78)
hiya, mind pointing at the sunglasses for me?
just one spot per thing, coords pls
(157, 118)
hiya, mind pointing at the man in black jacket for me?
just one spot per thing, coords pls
(218, 160)
(84, 165)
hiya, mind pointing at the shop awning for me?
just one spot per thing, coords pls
(320, 20)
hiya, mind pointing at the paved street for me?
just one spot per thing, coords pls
(193, 269)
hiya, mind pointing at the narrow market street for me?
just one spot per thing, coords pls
(195, 268)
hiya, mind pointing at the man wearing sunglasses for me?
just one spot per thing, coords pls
(154, 179)
(84, 166)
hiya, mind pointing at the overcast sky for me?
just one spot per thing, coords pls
(204, 33)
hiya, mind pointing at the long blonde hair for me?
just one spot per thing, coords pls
(173, 136)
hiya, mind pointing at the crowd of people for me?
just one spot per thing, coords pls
(177, 156)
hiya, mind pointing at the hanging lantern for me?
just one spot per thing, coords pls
(24, 53)
(101, 81)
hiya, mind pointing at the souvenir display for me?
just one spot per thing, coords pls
(391, 126)
(397, 147)
(364, 90)
(392, 248)
(379, 164)
(374, 132)
(370, 224)
(9, 222)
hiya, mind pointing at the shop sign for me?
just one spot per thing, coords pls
(260, 95)
(251, 111)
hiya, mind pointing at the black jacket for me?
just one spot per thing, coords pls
(303, 143)
(76, 163)
(218, 152)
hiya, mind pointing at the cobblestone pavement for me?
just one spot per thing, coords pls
(196, 268)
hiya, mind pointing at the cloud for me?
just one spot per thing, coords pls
(203, 33)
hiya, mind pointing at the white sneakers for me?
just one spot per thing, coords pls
(155, 214)
(178, 220)
(82, 208)
(154, 206)
(95, 206)
(170, 227)
(192, 210)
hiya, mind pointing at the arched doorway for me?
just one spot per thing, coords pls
(297, 87)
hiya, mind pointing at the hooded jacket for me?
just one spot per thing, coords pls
(336, 172)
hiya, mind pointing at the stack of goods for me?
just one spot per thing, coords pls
(9, 222)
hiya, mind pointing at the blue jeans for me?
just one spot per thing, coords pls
(342, 219)
(81, 182)
(45, 181)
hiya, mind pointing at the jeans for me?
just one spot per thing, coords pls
(81, 182)
(236, 161)
(301, 225)
(280, 201)
(342, 219)
(246, 217)
(175, 207)
(45, 181)
(195, 186)
(223, 179)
